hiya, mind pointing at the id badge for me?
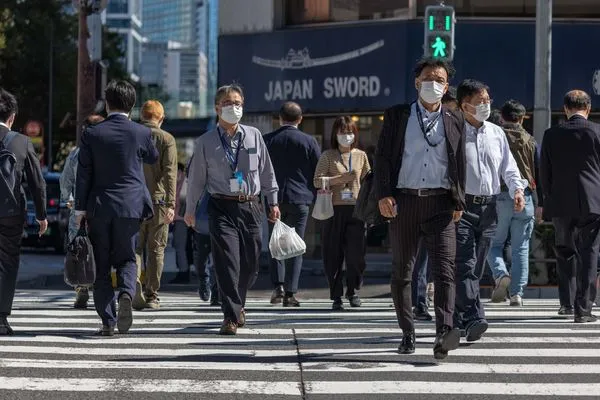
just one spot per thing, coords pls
(347, 195)
(234, 185)
(253, 159)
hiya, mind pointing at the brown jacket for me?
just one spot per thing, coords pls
(161, 177)
(524, 149)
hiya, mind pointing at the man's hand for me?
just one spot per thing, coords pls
(274, 214)
(43, 226)
(169, 215)
(387, 207)
(539, 215)
(190, 220)
(519, 201)
(456, 216)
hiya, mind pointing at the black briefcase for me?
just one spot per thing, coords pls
(80, 266)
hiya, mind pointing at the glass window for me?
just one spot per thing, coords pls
(300, 12)
(119, 23)
(118, 6)
(517, 8)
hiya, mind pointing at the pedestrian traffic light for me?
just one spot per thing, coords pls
(439, 32)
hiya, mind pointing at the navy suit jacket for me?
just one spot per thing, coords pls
(294, 155)
(570, 169)
(110, 179)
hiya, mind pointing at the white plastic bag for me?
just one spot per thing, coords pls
(324, 204)
(285, 242)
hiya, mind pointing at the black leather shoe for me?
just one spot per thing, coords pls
(446, 340)
(5, 329)
(337, 305)
(125, 314)
(476, 329)
(242, 319)
(105, 331)
(204, 291)
(421, 314)
(81, 298)
(564, 310)
(585, 318)
(290, 301)
(408, 343)
(277, 295)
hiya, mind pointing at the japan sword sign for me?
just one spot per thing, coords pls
(439, 32)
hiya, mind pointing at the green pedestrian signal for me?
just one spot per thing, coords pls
(439, 32)
(439, 48)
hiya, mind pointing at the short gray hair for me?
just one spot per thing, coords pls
(225, 90)
(577, 100)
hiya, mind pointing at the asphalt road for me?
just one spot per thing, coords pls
(305, 353)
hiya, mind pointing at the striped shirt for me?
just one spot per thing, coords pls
(334, 164)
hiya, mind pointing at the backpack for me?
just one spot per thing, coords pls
(9, 205)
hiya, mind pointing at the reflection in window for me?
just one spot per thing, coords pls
(118, 6)
(517, 8)
(314, 11)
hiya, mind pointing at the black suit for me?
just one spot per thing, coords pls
(112, 190)
(570, 174)
(427, 219)
(11, 228)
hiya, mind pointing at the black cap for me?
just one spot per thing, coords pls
(512, 111)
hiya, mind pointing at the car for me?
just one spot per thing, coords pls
(57, 215)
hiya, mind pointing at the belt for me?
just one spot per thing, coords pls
(482, 200)
(242, 198)
(424, 192)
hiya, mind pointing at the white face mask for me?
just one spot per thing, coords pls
(345, 139)
(482, 112)
(232, 114)
(431, 91)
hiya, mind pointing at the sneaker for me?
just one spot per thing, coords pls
(204, 291)
(139, 302)
(338, 304)
(153, 303)
(501, 289)
(124, 316)
(81, 297)
(516, 301)
(354, 301)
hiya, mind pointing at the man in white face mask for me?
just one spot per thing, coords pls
(489, 162)
(420, 172)
(232, 163)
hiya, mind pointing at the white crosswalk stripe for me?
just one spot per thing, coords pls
(284, 353)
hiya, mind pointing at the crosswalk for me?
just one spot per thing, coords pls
(305, 353)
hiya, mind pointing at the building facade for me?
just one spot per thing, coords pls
(343, 57)
(125, 18)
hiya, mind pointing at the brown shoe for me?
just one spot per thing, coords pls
(242, 319)
(228, 328)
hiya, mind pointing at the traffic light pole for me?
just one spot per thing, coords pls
(543, 62)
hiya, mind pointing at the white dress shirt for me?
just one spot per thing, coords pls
(424, 166)
(489, 160)
(3, 124)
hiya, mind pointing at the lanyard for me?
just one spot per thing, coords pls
(349, 167)
(231, 158)
(429, 127)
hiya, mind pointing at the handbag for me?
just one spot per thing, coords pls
(324, 204)
(80, 265)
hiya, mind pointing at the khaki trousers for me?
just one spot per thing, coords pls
(153, 238)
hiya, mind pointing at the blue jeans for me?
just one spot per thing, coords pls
(519, 226)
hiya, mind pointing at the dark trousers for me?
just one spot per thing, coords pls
(183, 244)
(421, 276)
(582, 235)
(474, 234)
(287, 272)
(343, 239)
(114, 241)
(11, 232)
(423, 221)
(206, 272)
(235, 235)
(566, 261)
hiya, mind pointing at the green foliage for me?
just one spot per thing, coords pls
(28, 30)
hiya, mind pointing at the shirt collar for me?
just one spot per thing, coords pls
(3, 124)
(472, 129)
(118, 113)
(222, 132)
(425, 112)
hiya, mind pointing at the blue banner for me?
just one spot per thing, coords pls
(368, 67)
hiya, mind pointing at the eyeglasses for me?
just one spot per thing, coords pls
(227, 103)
